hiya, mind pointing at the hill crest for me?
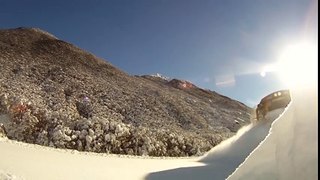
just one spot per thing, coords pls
(59, 95)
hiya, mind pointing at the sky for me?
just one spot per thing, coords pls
(221, 45)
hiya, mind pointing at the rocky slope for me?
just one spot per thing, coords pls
(55, 94)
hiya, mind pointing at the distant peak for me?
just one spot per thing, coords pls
(160, 76)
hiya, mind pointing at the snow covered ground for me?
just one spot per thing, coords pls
(290, 151)
(37, 162)
(287, 151)
(222, 160)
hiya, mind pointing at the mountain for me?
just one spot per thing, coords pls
(55, 94)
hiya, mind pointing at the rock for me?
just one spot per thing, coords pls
(73, 137)
(67, 138)
(4, 106)
(43, 138)
(84, 108)
(91, 132)
(3, 133)
(79, 145)
(107, 138)
(89, 139)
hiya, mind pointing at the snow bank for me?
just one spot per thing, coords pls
(223, 159)
(291, 149)
(38, 162)
(288, 152)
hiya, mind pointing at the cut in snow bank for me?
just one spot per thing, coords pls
(290, 151)
(223, 159)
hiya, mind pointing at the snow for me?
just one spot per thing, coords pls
(7, 176)
(290, 151)
(36, 162)
(222, 160)
(285, 148)
(160, 76)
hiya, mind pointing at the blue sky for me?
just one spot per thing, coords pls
(221, 45)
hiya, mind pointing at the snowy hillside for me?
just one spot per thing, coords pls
(61, 96)
(288, 152)
(75, 100)
(38, 162)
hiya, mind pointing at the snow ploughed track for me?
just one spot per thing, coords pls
(290, 151)
(281, 154)
(223, 159)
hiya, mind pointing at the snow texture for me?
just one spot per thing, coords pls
(282, 149)
(7, 176)
(222, 160)
(291, 149)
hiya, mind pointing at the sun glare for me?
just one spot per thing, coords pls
(297, 65)
(268, 68)
(263, 73)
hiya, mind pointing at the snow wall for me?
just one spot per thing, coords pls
(290, 151)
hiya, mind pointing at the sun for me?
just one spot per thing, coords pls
(268, 68)
(297, 65)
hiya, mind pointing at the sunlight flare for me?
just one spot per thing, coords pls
(297, 65)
